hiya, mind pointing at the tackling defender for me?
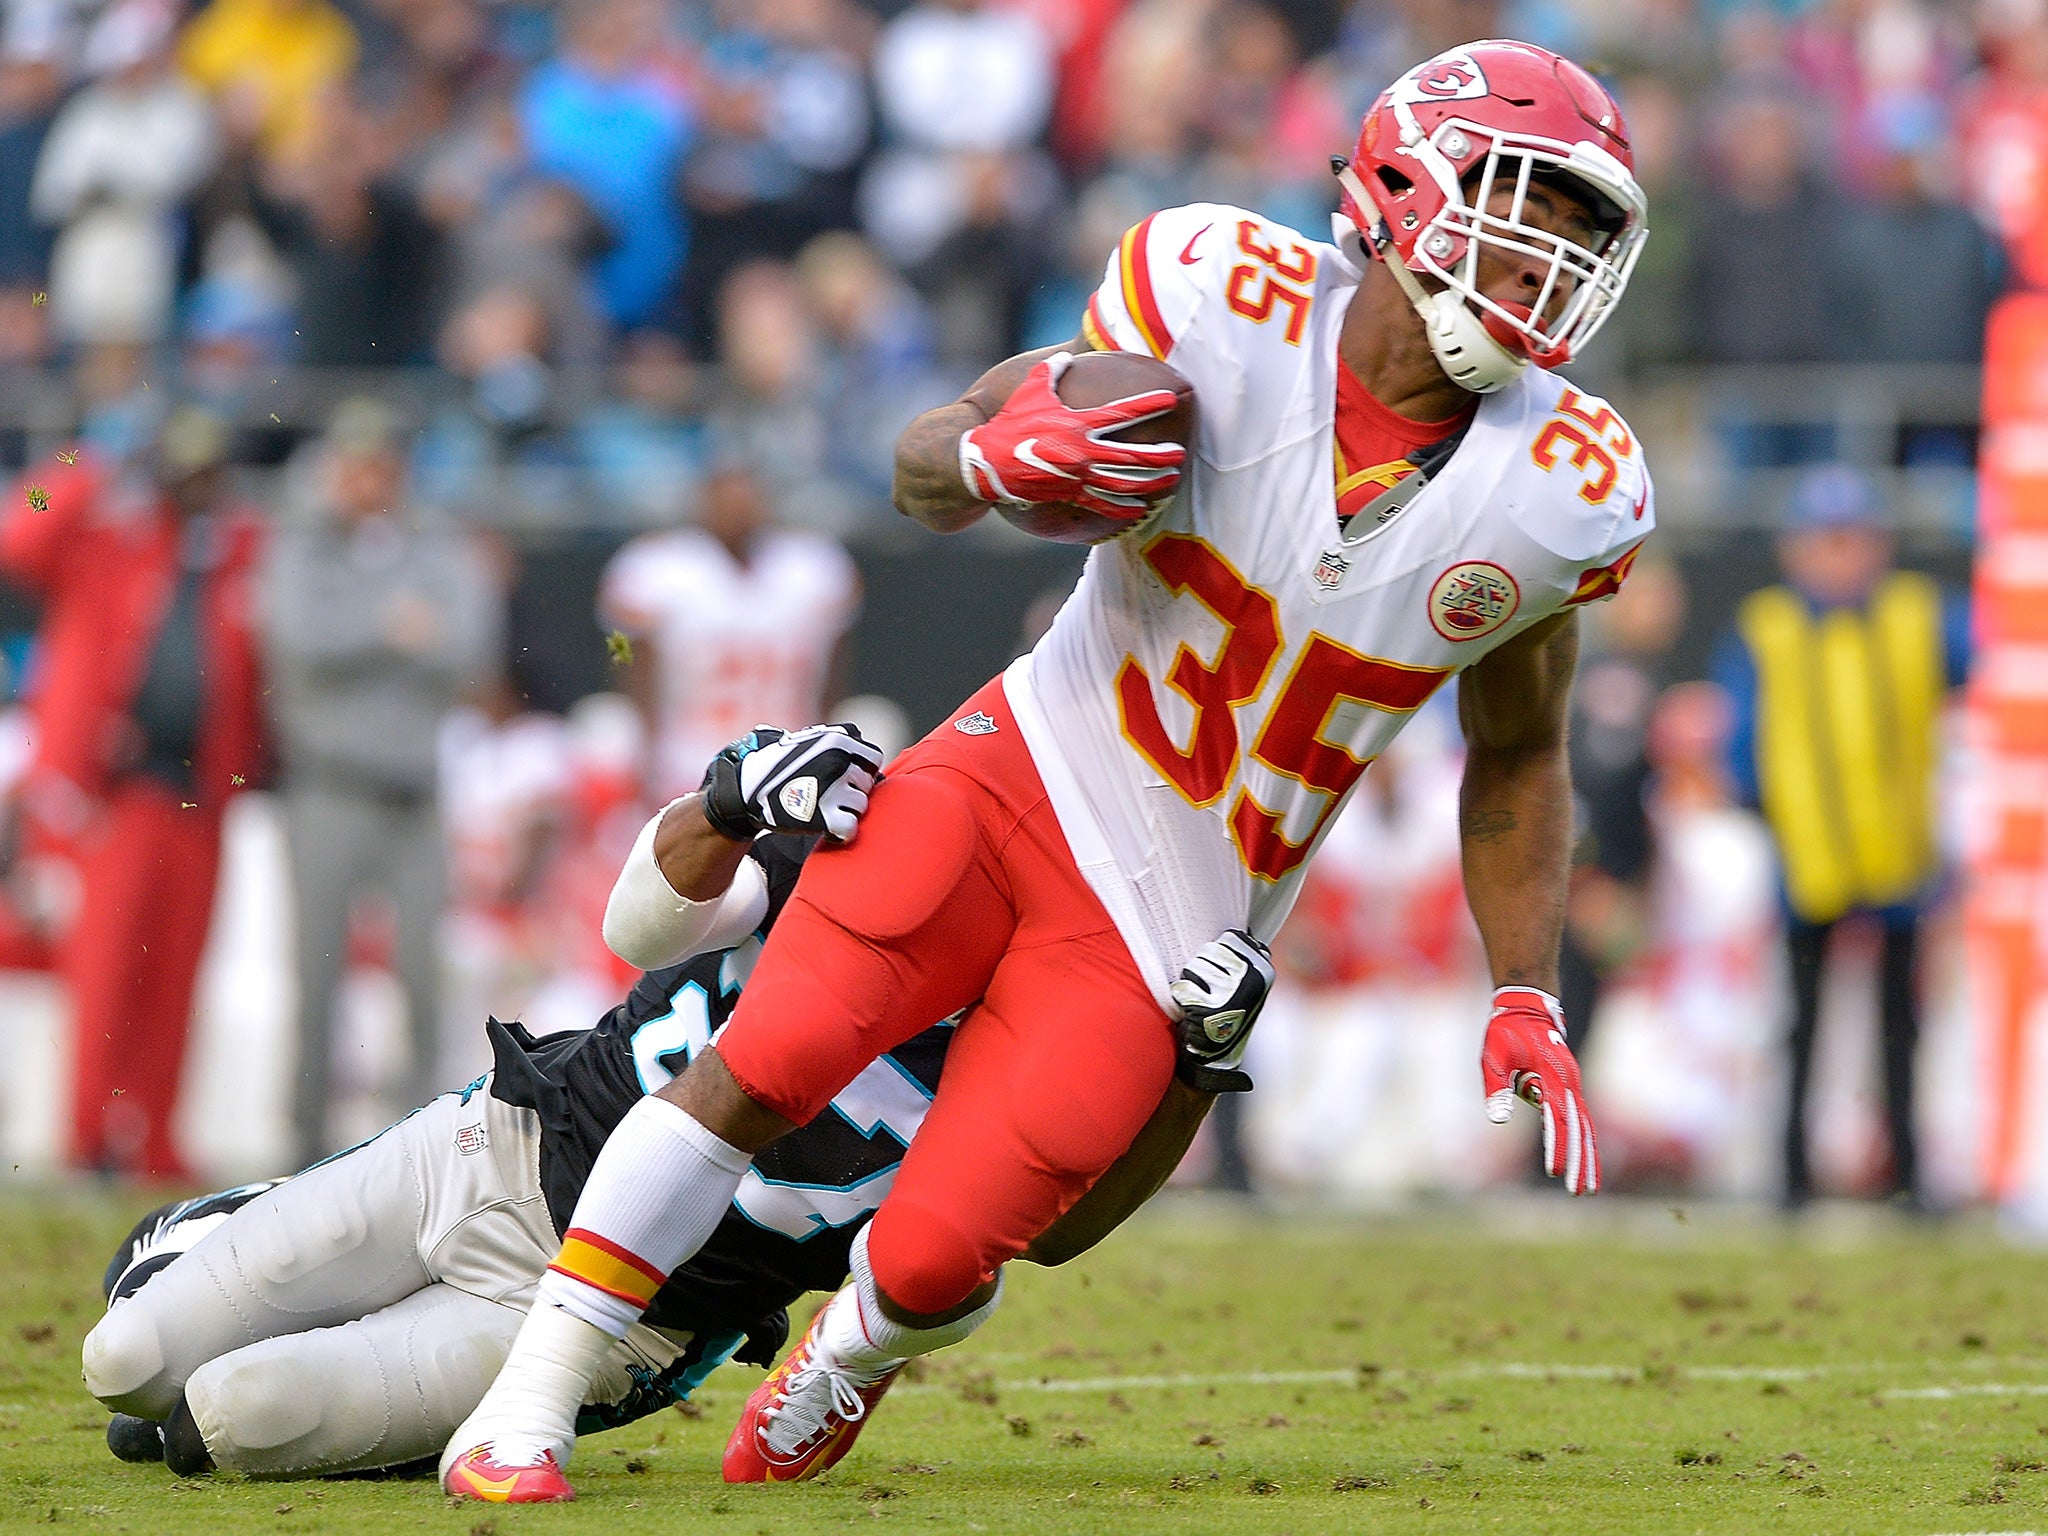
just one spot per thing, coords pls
(1387, 488)
(349, 1318)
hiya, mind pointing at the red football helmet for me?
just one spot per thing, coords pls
(1436, 152)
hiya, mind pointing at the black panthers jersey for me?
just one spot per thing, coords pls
(806, 1195)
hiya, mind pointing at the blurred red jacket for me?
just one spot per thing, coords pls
(103, 558)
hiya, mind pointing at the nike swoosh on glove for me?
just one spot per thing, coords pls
(814, 780)
(1525, 1057)
(1220, 994)
(1037, 449)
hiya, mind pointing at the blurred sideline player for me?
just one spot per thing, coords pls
(542, 810)
(1354, 528)
(731, 621)
(348, 1318)
(1362, 1056)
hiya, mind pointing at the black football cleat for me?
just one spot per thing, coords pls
(133, 1439)
(168, 1231)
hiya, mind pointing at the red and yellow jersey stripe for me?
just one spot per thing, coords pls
(1094, 328)
(1139, 300)
(1603, 580)
(603, 1265)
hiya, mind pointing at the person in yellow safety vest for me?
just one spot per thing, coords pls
(1838, 677)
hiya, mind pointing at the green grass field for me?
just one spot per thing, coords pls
(1534, 1368)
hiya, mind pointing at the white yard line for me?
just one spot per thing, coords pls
(1513, 1370)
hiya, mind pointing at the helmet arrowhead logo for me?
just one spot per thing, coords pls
(1447, 77)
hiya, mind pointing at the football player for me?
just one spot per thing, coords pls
(1387, 488)
(349, 1318)
(731, 619)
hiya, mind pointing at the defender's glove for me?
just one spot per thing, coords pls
(1039, 449)
(813, 780)
(1525, 1057)
(1220, 995)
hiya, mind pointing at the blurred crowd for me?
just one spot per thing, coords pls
(430, 276)
(600, 226)
(350, 655)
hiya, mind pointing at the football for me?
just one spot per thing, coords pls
(1096, 378)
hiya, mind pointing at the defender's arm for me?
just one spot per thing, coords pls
(684, 889)
(1128, 1182)
(1220, 994)
(688, 886)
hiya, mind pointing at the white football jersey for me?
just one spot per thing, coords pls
(1221, 676)
(735, 646)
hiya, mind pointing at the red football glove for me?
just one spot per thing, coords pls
(1039, 449)
(1525, 1057)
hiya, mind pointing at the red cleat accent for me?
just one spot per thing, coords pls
(476, 1476)
(802, 1419)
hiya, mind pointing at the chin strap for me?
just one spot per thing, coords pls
(1459, 338)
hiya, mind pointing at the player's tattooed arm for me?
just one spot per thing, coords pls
(1515, 804)
(1484, 826)
(928, 486)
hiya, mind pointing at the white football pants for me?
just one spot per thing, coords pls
(352, 1317)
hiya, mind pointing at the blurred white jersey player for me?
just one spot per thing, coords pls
(732, 622)
(1366, 1048)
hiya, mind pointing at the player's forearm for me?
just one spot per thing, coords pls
(696, 859)
(681, 891)
(1130, 1181)
(928, 487)
(1515, 821)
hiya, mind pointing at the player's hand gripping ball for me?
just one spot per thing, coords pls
(1220, 995)
(1085, 448)
(1525, 1057)
(813, 780)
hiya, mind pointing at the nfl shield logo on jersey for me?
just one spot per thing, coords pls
(471, 1139)
(1472, 599)
(976, 724)
(1330, 570)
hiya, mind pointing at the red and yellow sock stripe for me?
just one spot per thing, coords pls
(603, 1265)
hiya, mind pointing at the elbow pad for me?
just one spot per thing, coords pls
(646, 924)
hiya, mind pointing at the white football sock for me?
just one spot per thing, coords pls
(523, 1413)
(860, 1335)
(658, 1190)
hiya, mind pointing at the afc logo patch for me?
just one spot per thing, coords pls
(1472, 599)
(471, 1139)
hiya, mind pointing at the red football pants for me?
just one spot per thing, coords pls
(960, 892)
(147, 872)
